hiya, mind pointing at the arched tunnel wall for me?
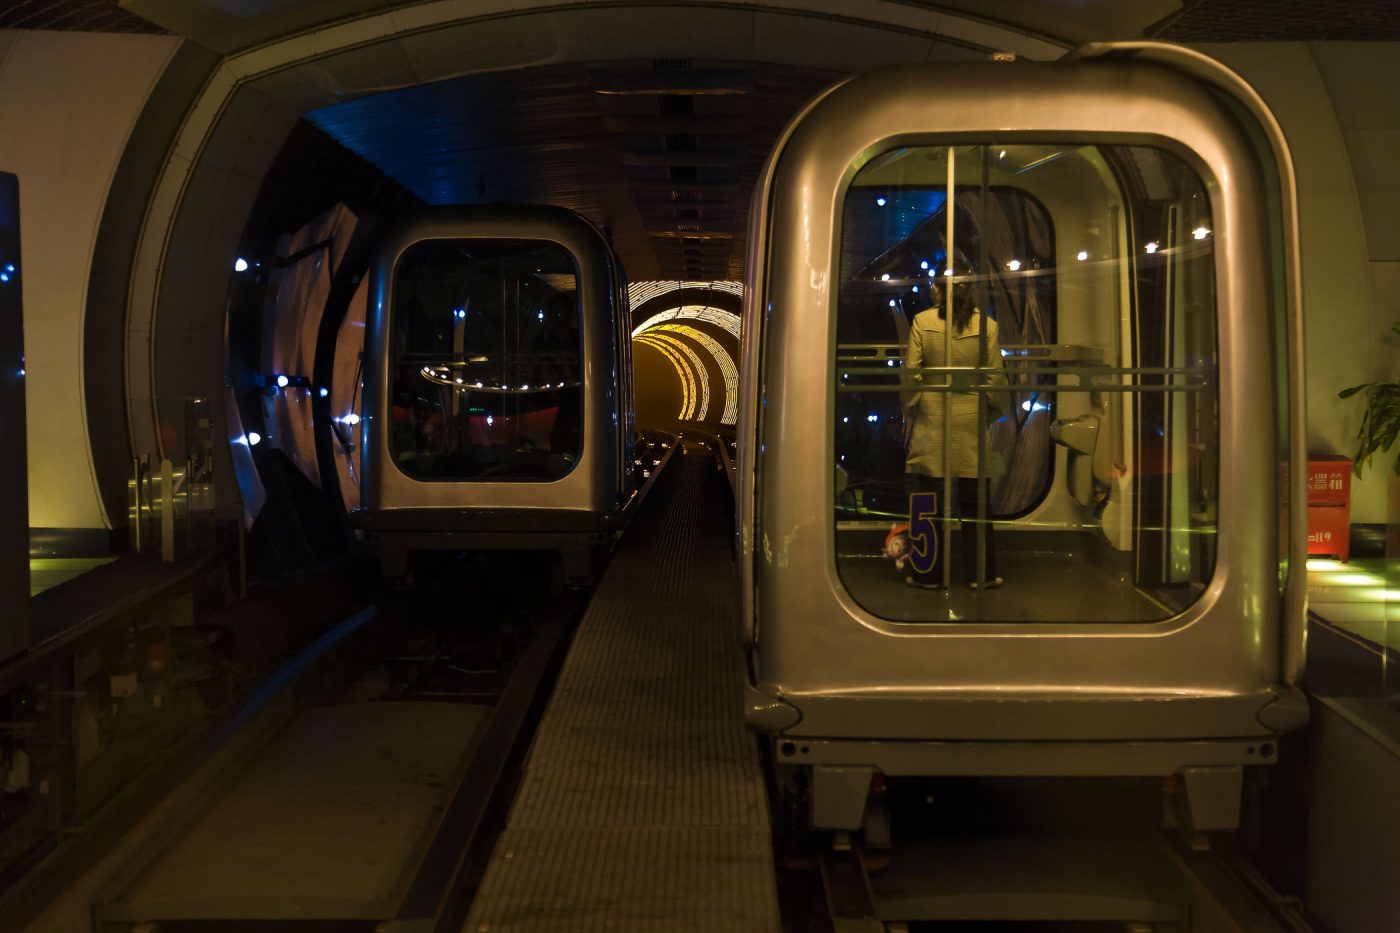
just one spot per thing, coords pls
(68, 105)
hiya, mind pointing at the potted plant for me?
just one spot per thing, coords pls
(1380, 422)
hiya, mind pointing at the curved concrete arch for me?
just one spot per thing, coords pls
(175, 295)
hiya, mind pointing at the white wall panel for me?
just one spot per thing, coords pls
(68, 101)
(1336, 274)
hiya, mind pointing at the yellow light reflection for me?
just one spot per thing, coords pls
(1353, 579)
(1321, 563)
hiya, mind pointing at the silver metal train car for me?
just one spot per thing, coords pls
(498, 396)
(1107, 452)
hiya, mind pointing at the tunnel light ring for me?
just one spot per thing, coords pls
(687, 378)
(702, 376)
(726, 320)
(728, 370)
(639, 293)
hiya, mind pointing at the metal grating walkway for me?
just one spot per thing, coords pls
(643, 805)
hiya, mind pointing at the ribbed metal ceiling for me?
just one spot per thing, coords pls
(72, 15)
(662, 154)
(1281, 21)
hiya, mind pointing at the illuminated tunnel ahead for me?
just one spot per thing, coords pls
(685, 348)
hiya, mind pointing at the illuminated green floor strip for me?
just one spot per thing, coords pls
(1362, 596)
(48, 572)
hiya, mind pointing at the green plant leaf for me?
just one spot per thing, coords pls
(1380, 420)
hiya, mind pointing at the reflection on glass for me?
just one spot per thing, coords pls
(1065, 439)
(487, 375)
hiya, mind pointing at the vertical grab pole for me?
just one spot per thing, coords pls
(136, 542)
(189, 504)
(167, 510)
(948, 393)
(982, 480)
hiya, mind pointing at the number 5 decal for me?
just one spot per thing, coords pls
(923, 531)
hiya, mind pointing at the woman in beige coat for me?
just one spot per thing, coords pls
(923, 418)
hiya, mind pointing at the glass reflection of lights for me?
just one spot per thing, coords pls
(240, 265)
(446, 374)
(253, 438)
(1014, 265)
(1152, 247)
(283, 382)
(323, 392)
(880, 202)
(1200, 233)
(1082, 255)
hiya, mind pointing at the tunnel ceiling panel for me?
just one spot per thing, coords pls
(661, 153)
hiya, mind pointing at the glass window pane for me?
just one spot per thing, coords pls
(1065, 440)
(487, 375)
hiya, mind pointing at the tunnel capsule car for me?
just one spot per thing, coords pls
(497, 409)
(1115, 415)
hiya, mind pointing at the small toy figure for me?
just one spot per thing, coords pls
(897, 545)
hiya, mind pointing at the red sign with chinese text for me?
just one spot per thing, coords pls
(1329, 482)
(1329, 507)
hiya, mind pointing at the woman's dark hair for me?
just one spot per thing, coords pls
(963, 305)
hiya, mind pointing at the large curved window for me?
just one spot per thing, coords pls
(1061, 448)
(487, 377)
